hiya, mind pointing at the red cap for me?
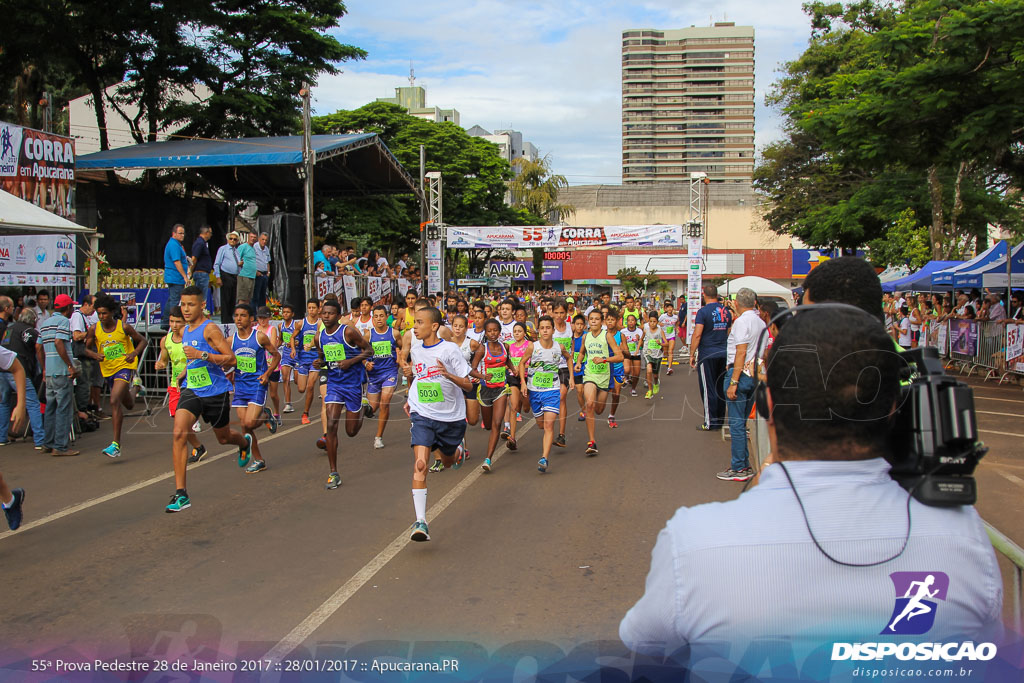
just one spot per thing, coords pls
(63, 301)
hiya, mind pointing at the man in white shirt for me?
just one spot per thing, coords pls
(742, 352)
(92, 379)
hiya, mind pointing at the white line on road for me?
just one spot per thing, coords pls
(131, 488)
(989, 412)
(1011, 477)
(993, 398)
(989, 431)
(317, 617)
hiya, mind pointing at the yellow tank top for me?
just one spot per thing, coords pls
(114, 346)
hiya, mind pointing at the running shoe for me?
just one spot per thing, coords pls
(438, 466)
(113, 450)
(669, 371)
(460, 456)
(270, 421)
(560, 441)
(288, 408)
(367, 411)
(649, 394)
(591, 448)
(487, 465)
(378, 442)
(305, 418)
(612, 424)
(333, 481)
(245, 452)
(277, 418)
(321, 443)
(420, 532)
(703, 428)
(582, 417)
(255, 466)
(140, 390)
(632, 392)
(542, 465)
(506, 431)
(197, 454)
(519, 417)
(736, 475)
(511, 444)
(13, 513)
(179, 502)
(657, 388)
(196, 427)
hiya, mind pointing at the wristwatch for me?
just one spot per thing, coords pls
(205, 356)
(733, 381)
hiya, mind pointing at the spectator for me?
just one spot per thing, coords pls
(362, 262)
(21, 337)
(202, 263)
(55, 335)
(262, 251)
(1016, 311)
(6, 313)
(226, 266)
(175, 266)
(742, 355)
(996, 312)
(87, 389)
(41, 307)
(708, 350)
(791, 540)
(402, 265)
(322, 256)
(247, 271)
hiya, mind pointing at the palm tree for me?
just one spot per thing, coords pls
(536, 189)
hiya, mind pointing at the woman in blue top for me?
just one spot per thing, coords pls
(206, 394)
(381, 369)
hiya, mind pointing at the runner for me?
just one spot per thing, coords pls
(601, 352)
(170, 350)
(632, 310)
(118, 346)
(519, 313)
(468, 347)
(537, 373)
(563, 336)
(305, 340)
(435, 407)
(256, 359)
(668, 321)
(289, 357)
(631, 351)
(507, 320)
(476, 332)
(381, 370)
(271, 332)
(579, 326)
(516, 350)
(653, 343)
(611, 322)
(492, 367)
(363, 320)
(207, 393)
(404, 321)
(410, 342)
(11, 500)
(341, 351)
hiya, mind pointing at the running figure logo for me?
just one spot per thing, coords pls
(6, 145)
(916, 592)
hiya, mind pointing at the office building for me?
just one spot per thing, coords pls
(688, 104)
(510, 143)
(414, 99)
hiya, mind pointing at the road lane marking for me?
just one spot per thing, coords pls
(992, 398)
(989, 412)
(132, 488)
(325, 611)
(1010, 477)
(989, 431)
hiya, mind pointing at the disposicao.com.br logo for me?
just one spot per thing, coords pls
(916, 606)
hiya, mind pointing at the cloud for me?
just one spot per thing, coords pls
(550, 70)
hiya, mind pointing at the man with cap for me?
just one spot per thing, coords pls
(55, 336)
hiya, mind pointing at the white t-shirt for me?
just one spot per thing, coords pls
(669, 323)
(905, 326)
(746, 329)
(432, 395)
(7, 358)
(401, 268)
(79, 322)
(506, 332)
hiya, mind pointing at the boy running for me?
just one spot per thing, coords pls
(264, 326)
(170, 350)
(252, 349)
(289, 358)
(305, 342)
(579, 326)
(668, 321)
(611, 322)
(382, 371)
(538, 373)
(654, 342)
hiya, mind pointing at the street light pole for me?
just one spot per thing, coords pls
(307, 189)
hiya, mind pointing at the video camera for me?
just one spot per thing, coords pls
(934, 439)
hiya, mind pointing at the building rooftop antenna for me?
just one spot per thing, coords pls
(412, 75)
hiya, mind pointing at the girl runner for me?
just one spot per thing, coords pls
(493, 367)
(654, 342)
(468, 347)
(668, 320)
(516, 350)
(538, 373)
(382, 371)
(631, 337)
(563, 337)
(601, 351)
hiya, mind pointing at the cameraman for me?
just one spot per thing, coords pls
(756, 567)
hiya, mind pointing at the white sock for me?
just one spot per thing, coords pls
(611, 416)
(419, 501)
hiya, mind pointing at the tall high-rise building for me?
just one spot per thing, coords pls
(688, 104)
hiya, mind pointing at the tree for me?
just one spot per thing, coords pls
(636, 282)
(535, 189)
(905, 243)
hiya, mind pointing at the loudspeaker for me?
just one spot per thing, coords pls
(293, 232)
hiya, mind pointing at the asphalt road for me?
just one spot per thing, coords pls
(273, 561)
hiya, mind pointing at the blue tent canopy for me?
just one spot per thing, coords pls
(921, 280)
(987, 257)
(993, 274)
(262, 167)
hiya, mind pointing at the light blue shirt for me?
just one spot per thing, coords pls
(318, 257)
(226, 261)
(174, 252)
(262, 258)
(248, 256)
(747, 569)
(55, 327)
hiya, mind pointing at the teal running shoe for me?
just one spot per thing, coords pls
(542, 465)
(244, 454)
(487, 465)
(420, 532)
(255, 466)
(178, 503)
(113, 450)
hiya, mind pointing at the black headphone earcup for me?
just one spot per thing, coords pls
(761, 400)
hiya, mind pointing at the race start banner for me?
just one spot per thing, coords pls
(562, 236)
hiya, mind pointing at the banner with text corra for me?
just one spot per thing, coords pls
(564, 237)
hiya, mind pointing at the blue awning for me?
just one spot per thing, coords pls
(919, 281)
(945, 277)
(268, 166)
(993, 274)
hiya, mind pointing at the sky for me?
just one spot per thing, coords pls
(551, 70)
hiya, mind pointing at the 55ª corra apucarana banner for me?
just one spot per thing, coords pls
(564, 236)
(39, 168)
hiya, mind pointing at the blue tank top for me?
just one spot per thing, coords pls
(203, 378)
(306, 329)
(577, 349)
(335, 350)
(250, 359)
(617, 367)
(384, 354)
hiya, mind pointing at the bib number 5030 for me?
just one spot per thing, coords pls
(429, 392)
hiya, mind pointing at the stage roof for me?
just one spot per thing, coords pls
(355, 164)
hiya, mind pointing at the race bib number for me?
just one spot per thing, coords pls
(382, 348)
(245, 364)
(516, 360)
(198, 378)
(575, 357)
(334, 353)
(631, 346)
(565, 342)
(654, 344)
(113, 351)
(670, 329)
(496, 375)
(599, 368)
(544, 380)
(429, 392)
(307, 340)
(287, 337)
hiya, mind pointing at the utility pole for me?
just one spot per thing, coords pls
(423, 220)
(307, 189)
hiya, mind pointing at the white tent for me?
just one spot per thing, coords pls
(764, 288)
(24, 218)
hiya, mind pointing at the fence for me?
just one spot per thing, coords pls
(996, 348)
(381, 290)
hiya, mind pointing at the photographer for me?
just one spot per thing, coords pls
(757, 567)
